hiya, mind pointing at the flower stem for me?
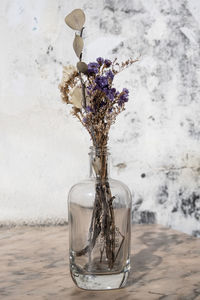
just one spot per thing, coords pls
(103, 218)
(80, 76)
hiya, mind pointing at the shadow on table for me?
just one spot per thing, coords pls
(139, 268)
(144, 261)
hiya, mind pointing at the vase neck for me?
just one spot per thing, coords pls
(99, 163)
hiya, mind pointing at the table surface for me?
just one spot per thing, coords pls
(165, 264)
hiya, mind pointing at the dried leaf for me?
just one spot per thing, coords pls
(76, 97)
(82, 67)
(76, 19)
(78, 45)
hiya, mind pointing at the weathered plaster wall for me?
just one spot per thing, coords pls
(155, 143)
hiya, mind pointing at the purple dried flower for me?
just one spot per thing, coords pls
(125, 90)
(93, 65)
(89, 90)
(122, 100)
(107, 62)
(110, 75)
(88, 108)
(100, 60)
(93, 68)
(110, 95)
(101, 81)
(123, 96)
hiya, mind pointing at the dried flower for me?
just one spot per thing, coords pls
(89, 87)
(93, 68)
(107, 63)
(68, 72)
(102, 101)
(100, 60)
(123, 97)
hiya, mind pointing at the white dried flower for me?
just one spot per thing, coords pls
(68, 71)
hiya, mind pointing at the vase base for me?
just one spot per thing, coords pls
(101, 282)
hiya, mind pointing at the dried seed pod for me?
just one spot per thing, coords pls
(76, 19)
(76, 97)
(82, 67)
(78, 45)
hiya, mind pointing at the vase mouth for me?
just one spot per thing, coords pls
(99, 150)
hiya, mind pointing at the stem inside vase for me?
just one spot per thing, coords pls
(103, 218)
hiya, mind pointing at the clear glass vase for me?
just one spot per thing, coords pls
(99, 211)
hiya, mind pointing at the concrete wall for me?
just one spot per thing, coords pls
(154, 143)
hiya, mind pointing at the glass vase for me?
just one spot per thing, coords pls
(99, 214)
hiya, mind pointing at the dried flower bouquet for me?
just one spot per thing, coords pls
(96, 103)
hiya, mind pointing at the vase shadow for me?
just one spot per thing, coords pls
(137, 266)
(142, 264)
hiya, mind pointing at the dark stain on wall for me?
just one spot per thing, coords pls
(147, 217)
(162, 195)
(190, 206)
(144, 216)
(196, 233)
(173, 174)
(49, 49)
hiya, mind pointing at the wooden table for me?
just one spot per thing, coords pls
(34, 265)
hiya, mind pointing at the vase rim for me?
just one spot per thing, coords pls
(104, 149)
